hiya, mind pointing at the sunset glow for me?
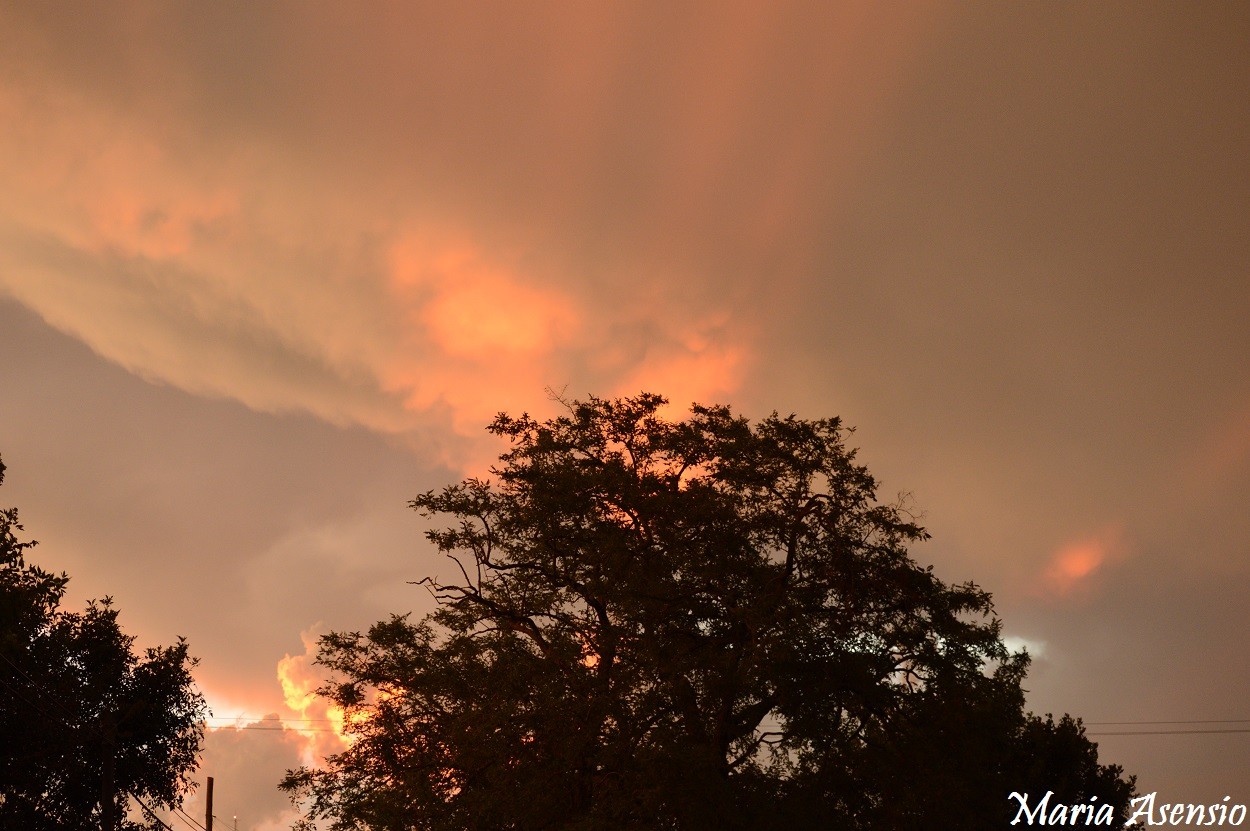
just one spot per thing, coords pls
(299, 679)
(1073, 564)
(266, 277)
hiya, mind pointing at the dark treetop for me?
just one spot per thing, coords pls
(704, 624)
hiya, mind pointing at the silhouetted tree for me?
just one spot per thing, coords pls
(704, 624)
(85, 724)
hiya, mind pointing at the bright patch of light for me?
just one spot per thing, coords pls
(1015, 643)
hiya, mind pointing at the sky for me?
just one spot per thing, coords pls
(267, 270)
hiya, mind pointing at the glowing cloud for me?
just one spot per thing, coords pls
(476, 332)
(231, 275)
(1015, 643)
(1074, 564)
(687, 375)
(471, 308)
(299, 680)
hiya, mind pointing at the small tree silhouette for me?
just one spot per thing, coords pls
(85, 724)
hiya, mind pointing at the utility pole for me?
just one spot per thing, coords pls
(208, 811)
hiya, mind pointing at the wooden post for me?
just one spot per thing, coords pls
(208, 811)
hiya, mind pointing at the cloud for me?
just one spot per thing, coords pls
(471, 308)
(478, 332)
(414, 254)
(247, 762)
(1015, 643)
(220, 274)
(1074, 564)
(699, 367)
(318, 723)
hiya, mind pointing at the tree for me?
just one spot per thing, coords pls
(704, 624)
(85, 724)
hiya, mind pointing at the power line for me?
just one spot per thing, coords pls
(274, 729)
(1088, 732)
(266, 717)
(280, 724)
(309, 729)
(1164, 723)
(150, 812)
(1163, 732)
(1190, 721)
(195, 824)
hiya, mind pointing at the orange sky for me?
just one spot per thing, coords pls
(265, 272)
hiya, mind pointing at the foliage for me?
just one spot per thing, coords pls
(85, 724)
(1057, 756)
(704, 624)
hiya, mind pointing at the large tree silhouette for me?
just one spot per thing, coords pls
(85, 724)
(704, 624)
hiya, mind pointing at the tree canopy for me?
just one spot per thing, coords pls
(696, 624)
(85, 724)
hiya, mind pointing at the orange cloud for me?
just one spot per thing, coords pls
(697, 367)
(104, 185)
(1072, 566)
(472, 308)
(299, 679)
(234, 273)
(479, 334)
(153, 225)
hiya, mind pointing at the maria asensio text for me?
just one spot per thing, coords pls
(1144, 810)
